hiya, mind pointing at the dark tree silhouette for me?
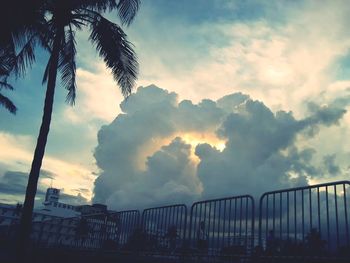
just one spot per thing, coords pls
(51, 24)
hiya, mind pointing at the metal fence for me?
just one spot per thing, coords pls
(86, 232)
(223, 226)
(127, 224)
(305, 220)
(164, 228)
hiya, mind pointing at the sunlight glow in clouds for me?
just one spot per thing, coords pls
(191, 138)
(197, 138)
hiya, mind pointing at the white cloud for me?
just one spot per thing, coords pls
(98, 96)
(160, 150)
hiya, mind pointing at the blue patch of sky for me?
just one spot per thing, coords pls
(342, 67)
(199, 11)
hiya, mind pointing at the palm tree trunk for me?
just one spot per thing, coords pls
(27, 212)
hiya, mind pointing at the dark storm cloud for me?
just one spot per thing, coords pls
(14, 183)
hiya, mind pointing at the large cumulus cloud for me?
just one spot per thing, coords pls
(146, 156)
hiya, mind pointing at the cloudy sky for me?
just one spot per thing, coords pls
(234, 97)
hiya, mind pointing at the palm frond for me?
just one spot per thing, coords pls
(67, 65)
(8, 104)
(97, 5)
(117, 52)
(26, 57)
(78, 21)
(5, 85)
(127, 10)
(7, 58)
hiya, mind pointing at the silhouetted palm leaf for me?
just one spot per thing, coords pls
(7, 58)
(26, 57)
(7, 103)
(5, 85)
(116, 51)
(67, 66)
(127, 10)
(96, 5)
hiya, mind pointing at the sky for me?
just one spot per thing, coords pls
(233, 97)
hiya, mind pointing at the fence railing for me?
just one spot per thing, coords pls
(127, 222)
(223, 226)
(164, 228)
(302, 221)
(311, 217)
(86, 232)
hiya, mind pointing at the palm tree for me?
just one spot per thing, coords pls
(52, 25)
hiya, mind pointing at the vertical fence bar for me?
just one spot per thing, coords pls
(267, 218)
(295, 216)
(328, 228)
(310, 205)
(302, 215)
(319, 210)
(280, 194)
(223, 227)
(227, 226)
(260, 220)
(336, 213)
(246, 222)
(346, 216)
(273, 213)
(235, 222)
(287, 215)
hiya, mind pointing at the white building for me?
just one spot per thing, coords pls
(53, 207)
